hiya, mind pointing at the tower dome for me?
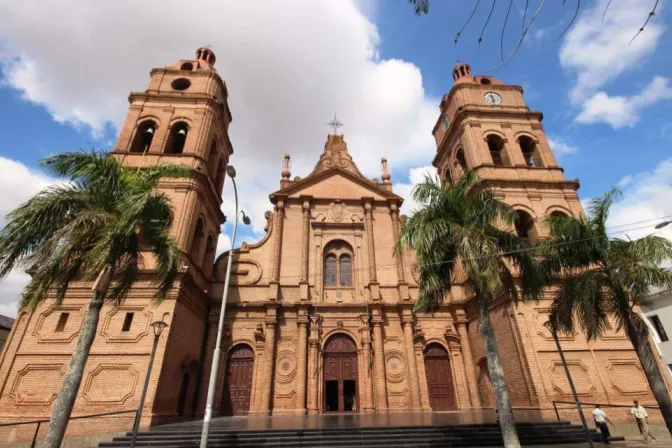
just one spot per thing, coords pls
(462, 72)
(206, 57)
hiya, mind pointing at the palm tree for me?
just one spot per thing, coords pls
(598, 275)
(98, 226)
(463, 226)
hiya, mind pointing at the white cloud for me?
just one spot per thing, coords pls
(288, 67)
(560, 146)
(620, 111)
(18, 183)
(223, 243)
(415, 176)
(599, 52)
(646, 199)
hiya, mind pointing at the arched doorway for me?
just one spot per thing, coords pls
(238, 380)
(439, 378)
(340, 375)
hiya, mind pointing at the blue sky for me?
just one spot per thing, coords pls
(289, 67)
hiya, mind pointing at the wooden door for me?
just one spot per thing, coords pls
(238, 381)
(439, 378)
(340, 364)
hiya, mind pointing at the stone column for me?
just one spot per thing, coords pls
(277, 247)
(277, 244)
(394, 213)
(379, 363)
(269, 366)
(367, 400)
(301, 365)
(412, 365)
(305, 248)
(373, 277)
(313, 364)
(461, 324)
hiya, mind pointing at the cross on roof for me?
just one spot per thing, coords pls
(335, 124)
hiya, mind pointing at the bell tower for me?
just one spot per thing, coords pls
(183, 118)
(485, 125)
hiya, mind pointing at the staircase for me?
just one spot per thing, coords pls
(474, 435)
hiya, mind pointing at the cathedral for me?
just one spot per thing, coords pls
(319, 316)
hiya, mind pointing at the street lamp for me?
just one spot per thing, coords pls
(662, 224)
(214, 369)
(158, 328)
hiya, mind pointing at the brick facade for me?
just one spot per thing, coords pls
(325, 267)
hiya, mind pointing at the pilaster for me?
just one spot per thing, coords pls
(367, 399)
(269, 364)
(407, 321)
(305, 249)
(302, 321)
(274, 284)
(379, 362)
(470, 371)
(313, 364)
(374, 287)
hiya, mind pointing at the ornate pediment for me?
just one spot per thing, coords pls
(338, 213)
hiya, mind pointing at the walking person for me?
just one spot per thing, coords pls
(641, 417)
(601, 420)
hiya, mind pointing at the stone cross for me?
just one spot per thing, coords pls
(335, 124)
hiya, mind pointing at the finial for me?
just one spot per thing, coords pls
(285, 168)
(386, 172)
(335, 124)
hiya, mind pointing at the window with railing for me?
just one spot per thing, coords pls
(660, 329)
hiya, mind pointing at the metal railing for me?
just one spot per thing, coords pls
(39, 422)
(606, 405)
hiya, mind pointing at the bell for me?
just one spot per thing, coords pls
(149, 130)
(182, 132)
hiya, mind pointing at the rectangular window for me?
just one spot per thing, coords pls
(128, 320)
(62, 320)
(658, 325)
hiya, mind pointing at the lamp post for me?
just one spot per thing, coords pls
(158, 328)
(660, 225)
(571, 383)
(214, 369)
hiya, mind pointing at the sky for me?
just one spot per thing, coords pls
(66, 71)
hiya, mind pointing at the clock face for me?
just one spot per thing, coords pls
(446, 122)
(492, 98)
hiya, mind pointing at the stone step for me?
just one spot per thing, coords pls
(445, 436)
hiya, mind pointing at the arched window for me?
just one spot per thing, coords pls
(447, 177)
(530, 152)
(178, 137)
(338, 265)
(330, 270)
(184, 388)
(209, 254)
(219, 179)
(187, 66)
(496, 147)
(143, 137)
(524, 227)
(197, 240)
(558, 213)
(461, 161)
(345, 268)
(485, 81)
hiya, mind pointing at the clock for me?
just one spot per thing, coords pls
(446, 122)
(492, 98)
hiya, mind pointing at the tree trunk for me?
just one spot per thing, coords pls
(73, 377)
(638, 334)
(497, 379)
